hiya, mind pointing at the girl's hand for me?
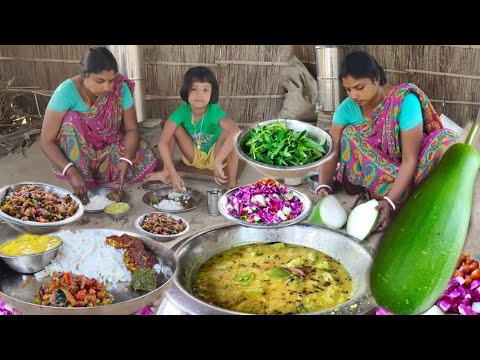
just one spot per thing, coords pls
(219, 175)
(78, 182)
(177, 183)
(384, 220)
(121, 170)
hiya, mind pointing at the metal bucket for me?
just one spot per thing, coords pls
(330, 91)
(131, 63)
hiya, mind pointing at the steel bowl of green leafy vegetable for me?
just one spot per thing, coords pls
(284, 148)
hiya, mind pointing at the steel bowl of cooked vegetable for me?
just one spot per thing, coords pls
(298, 269)
(38, 208)
(284, 148)
(162, 226)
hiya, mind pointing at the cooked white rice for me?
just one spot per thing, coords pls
(178, 196)
(168, 205)
(97, 202)
(89, 256)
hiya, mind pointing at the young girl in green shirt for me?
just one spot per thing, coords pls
(203, 131)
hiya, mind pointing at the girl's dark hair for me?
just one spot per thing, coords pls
(96, 60)
(360, 64)
(199, 74)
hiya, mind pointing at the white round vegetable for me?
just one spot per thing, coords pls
(434, 310)
(328, 212)
(363, 219)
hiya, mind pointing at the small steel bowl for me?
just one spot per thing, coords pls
(116, 216)
(159, 237)
(29, 264)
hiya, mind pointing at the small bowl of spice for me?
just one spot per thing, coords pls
(117, 211)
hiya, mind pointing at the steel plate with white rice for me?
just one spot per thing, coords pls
(85, 252)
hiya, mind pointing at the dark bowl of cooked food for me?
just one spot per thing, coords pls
(284, 148)
(38, 208)
(162, 226)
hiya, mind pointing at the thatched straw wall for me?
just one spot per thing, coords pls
(250, 76)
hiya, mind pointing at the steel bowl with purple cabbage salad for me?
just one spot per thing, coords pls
(264, 202)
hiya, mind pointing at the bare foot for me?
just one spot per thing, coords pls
(163, 176)
(231, 186)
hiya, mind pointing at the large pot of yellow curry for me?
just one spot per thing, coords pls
(300, 269)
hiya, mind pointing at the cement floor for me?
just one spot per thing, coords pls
(35, 167)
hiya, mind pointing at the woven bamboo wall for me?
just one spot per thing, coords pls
(250, 76)
(448, 74)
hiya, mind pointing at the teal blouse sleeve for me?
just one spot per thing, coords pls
(64, 97)
(127, 97)
(410, 113)
(348, 113)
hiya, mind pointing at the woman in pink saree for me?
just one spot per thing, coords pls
(387, 138)
(90, 131)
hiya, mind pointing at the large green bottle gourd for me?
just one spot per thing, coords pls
(418, 254)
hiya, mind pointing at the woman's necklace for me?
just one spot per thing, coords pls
(197, 138)
(89, 102)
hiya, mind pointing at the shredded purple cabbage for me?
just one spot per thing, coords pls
(7, 310)
(265, 208)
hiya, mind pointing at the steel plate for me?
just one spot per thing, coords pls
(102, 191)
(195, 199)
(18, 290)
(307, 204)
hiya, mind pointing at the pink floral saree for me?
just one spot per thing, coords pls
(370, 154)
(93, 140)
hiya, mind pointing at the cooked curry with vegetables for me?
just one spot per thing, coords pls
(29, 244)
(273, 278)
(32, 203)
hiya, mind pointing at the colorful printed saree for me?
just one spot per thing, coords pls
(93, 140)
(370, 154)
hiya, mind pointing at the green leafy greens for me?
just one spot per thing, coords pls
(275, 144)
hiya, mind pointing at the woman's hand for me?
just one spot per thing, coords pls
(177, 183)
(120, 171)
(218, 173)
(322, 193)
(384, 220)
(77, 181)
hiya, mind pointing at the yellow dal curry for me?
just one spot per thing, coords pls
(273, 278)
(28, 244)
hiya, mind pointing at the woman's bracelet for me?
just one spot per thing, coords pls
(390, 202)
(322, 187)
(127, 160)
(66, 168)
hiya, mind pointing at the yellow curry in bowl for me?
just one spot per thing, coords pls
(29, 244)
(273, 278)
(117, 208)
